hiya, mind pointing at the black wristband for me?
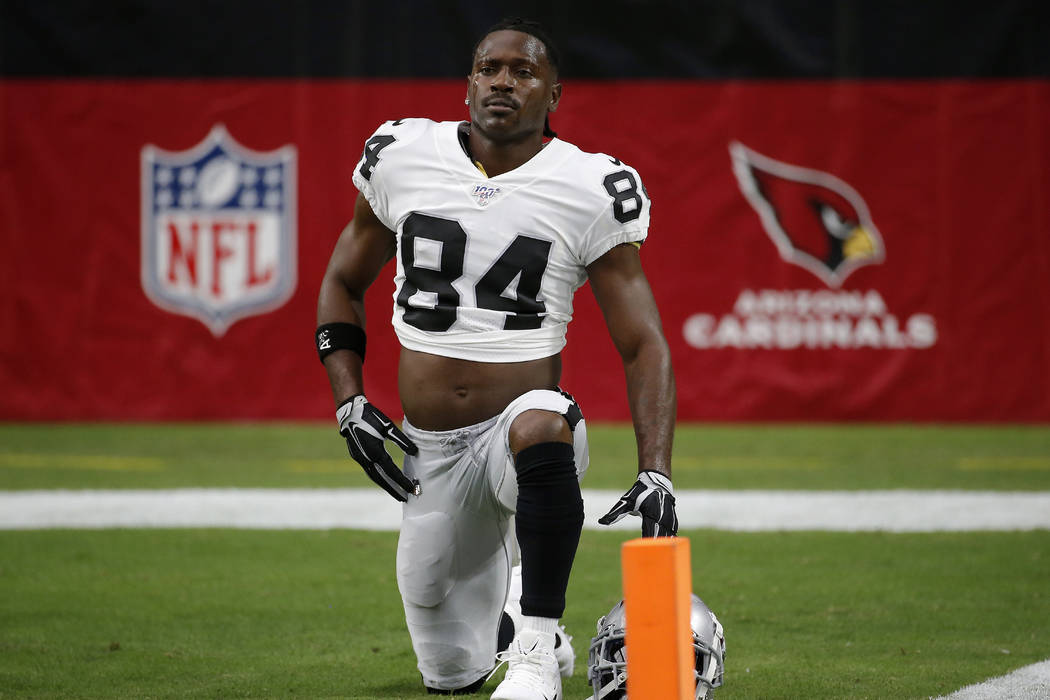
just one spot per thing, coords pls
(339, 336)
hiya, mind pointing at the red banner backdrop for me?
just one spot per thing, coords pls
(820, 250)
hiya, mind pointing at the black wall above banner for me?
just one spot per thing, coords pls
(705, 39)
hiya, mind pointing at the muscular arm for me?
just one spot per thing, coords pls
(362, 250)
(626, 301)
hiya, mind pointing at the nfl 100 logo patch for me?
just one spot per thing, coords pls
(218, 229)
(485, 194)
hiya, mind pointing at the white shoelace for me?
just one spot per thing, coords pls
(522, 665)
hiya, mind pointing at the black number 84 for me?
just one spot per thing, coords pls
(525, 258)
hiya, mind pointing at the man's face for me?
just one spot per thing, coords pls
(512, 86)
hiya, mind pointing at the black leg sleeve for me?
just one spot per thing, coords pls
(548, 525)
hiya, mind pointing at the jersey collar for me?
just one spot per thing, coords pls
(463, 135)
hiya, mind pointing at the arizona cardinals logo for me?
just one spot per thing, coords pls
(816, 220)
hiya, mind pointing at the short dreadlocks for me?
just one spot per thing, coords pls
(534, 29)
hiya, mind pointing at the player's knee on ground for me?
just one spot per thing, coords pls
(466, 690)
(449, 659)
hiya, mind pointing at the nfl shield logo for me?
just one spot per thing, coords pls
(218, 229)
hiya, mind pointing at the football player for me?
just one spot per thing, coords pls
(494, 223)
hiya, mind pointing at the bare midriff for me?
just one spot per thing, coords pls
(443, 393)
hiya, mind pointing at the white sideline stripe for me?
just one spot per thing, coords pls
(372, 509)
(893, 510)
(1023, 684)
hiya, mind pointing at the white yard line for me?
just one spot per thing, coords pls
(371, 509)
(1023, 684)
(893, 511)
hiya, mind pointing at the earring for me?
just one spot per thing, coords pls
(466, 101)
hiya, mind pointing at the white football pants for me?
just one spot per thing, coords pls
(457, 545)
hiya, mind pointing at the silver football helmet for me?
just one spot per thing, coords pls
(607, 669)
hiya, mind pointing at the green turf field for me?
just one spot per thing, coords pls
(36, 456)
(307, 614)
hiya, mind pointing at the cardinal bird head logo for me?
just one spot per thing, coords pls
(816, 220)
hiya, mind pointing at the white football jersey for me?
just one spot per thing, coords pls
(487, 267)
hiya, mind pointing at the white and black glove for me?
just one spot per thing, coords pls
(366, 429)
(651, 498)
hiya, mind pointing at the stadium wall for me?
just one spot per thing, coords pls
(839, 231)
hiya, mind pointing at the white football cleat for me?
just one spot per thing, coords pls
(532, 669)
(563, 650)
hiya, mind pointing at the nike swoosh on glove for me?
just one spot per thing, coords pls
(651, 498)
(366, 430)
